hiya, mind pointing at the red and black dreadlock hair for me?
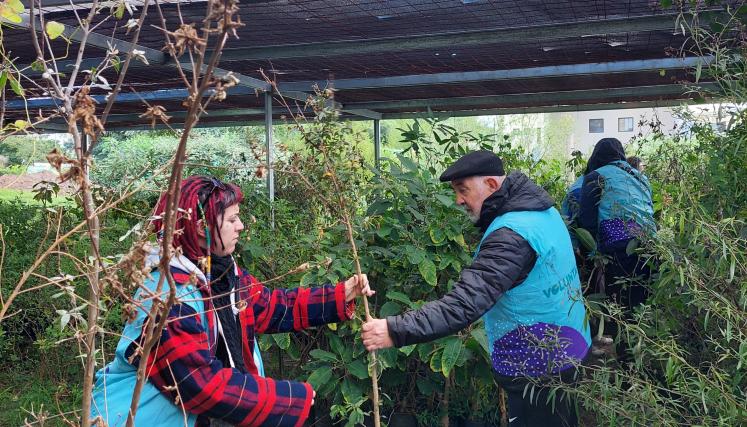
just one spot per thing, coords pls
(213, 196)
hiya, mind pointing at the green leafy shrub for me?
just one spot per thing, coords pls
(36, 337)
(689, 341)
(413, 241)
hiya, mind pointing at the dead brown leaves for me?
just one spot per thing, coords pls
(129, 313)
(226, 16)
(58, 160)
(85, 111)
(186, 37)
(223, 84)
(156, 113)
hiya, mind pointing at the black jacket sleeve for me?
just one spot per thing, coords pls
(504, 261)
(591, 193)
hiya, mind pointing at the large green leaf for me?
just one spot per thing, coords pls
(426, 386)
(282, 340)
(16, 5)
(379, 207)
(10, 10)
(428, 270)
(399, 296)
(481, 337)
(414, 255)
(437, 235)
(320, 377)
(384, 230)
(389, 309)
(460, 240)
(337, 346)
(15, 85)
(358, 369)
(54, 29)
(408, 164)
(450, 355)
(408, 349)
(323, 355)
(119, 12)
(350, 391)
(445, 261)
(387, 357)
(3, 80)
(435, 363)
(445, 200)
(424, 351)
(632, 246)
(586, 239)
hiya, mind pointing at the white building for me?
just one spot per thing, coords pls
(591, 126)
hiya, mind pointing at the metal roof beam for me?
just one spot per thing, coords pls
(70, 5)
(469, 113)
(367, 109)
(180, 115)
(179, 94)
(535, 110)
(230, 112)
(365, 113)
(504, 104)
(157, 57)
(156, 95)
(509, 74)
(152, 55)
(547, 98)
(455, 39)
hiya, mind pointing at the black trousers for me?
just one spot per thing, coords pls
(631, 267)
(536, 409)
(633, 292)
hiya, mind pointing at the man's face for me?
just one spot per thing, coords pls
(471, 192)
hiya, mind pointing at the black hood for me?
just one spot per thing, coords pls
(518, 193)
(606, 151)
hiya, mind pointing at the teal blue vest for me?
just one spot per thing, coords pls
(549, 299)
(569, 207)
(115, 382)
(626, 195)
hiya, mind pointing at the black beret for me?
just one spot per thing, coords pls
(476, 163)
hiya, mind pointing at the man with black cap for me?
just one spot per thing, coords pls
(522, 281)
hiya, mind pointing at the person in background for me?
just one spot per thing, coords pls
(206, 369)
(616, 207)
(522, 281)
(571, 204)
(636, 162)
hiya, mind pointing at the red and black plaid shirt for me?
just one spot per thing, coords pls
(184, 359)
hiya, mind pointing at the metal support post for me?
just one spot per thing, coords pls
(270, 157)
(377, 143)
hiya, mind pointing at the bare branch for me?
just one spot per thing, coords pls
(125, 67)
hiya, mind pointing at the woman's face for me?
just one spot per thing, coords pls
(229, 232)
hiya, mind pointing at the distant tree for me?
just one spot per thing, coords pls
(25, 149)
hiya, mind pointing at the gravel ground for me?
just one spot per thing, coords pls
(26, 182)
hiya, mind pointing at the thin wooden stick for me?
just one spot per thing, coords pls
(354, 250)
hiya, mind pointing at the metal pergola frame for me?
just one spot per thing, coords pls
(379, 96)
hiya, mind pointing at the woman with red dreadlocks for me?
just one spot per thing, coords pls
(206, 369)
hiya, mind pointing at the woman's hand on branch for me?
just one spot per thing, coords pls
(356, 286)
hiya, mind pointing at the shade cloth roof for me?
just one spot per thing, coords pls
(399, 58)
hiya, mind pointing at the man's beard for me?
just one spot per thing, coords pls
(473, 217)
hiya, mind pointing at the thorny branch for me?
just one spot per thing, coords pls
(340, 207)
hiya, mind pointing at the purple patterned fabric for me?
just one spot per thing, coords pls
(538, 350)
(615, 230)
